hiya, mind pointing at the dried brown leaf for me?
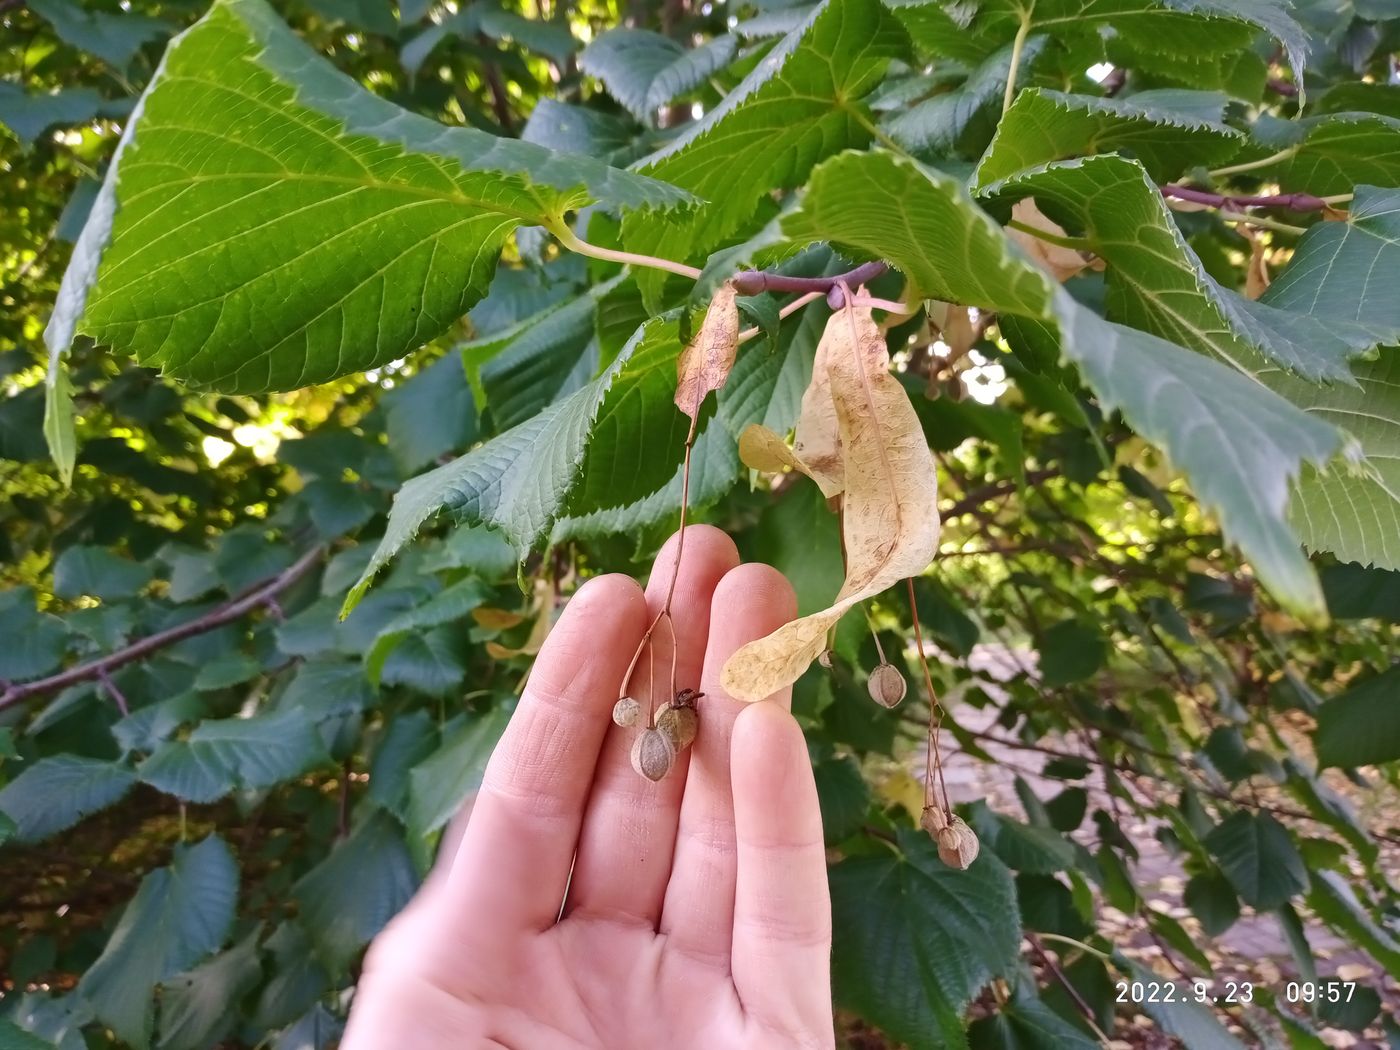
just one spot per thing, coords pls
(1061, 263)
(706, 360)
(890, 514)
(762, 450)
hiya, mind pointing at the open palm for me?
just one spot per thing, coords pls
(588, 907)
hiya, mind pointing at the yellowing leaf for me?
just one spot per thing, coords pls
(705, 362)
(889, 498)
(1256, 277)
(496, 619)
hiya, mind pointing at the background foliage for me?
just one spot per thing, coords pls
(202, 831)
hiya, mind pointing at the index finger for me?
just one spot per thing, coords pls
(513, 863)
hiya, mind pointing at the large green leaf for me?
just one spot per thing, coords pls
(1342, 151)
(645, 70)
(114, 37)
(914, 940)
(801, 103)
(179, 915)
(272, 224)
(519, 482)
(430, 414)
(1155, 127)
(1258, 856)
(1239, 443)
(34, 642)
(1362, 726)
(199, 1008)
(1157, 283)
(347, 898)
(439, 784)
(97, 572)
(1145, 32)
(57, 792)
(221, 754)
(30, 115)
(1338, 274)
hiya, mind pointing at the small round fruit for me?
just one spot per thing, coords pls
(957, 845)
(627, 712)
(933, 821)
(652, 754)
(887, 686)
(680, 724)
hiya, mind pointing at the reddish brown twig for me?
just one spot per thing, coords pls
(1291, 201)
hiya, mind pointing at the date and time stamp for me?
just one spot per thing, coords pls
(1234, 993)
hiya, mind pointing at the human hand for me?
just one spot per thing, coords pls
(697, 914)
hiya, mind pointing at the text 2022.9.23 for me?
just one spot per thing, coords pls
(1167, 992)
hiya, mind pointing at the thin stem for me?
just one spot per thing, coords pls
(879, 134)
(1260, 220)
(1017, 47)
(569, 240)
(1339, 198)
(1254, 165)
(888, 305)
(1075, 243)
(1291, 201)
(934, 758)
(1073, 992)
(1077, 944)
(754, 282)
(790, 308)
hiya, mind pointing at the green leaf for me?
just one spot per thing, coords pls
(1156, 282)
(1026, 1023)
(518, 482)
(579, 129)
(441, 783)
(799, 104)
(98, 573)
(349, 897)
(1355, 592)
(199, 1008)
(1043, 126)
(1362, 726)
(297, 981)
(34, 642)
(1258, 856)
(1343, 151)
(220, 754)
(551, 39)
(1071, 651)
(386, 224)
(914, 940)
(1239, 443)
(644, 70)
(1022, 847)
(844, 797)
(431, 663)
(430, 414)
(375, 16)
(935, 125)
(114, 38)
(13, 1037)
(146, 727)
(179, 915)
(1335, 902)
(1352, 511)
(407, 741)
(29, 116)
(1150, 32)
(57, 792)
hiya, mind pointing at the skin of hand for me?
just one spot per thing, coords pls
(697, 911)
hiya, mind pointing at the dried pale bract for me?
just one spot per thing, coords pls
(627, 712)
(825, 658)
(706, 360)
(889, 501)
(1060, 262)
(887, 686)
(957, 844)
(653, 755)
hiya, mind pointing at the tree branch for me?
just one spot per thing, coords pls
(258, 595)
(754, 282)
(1291, 201)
